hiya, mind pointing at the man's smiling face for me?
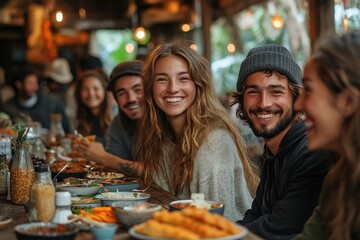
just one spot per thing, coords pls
(268, 104)
(129, 96)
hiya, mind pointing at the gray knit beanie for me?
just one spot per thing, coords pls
(269, 57)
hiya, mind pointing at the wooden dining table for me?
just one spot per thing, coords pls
(18, 215)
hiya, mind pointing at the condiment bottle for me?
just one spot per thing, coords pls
(37, 152)
(56, 131)
(21, 175)
(42, 196)
(3, 172)
(63, 207)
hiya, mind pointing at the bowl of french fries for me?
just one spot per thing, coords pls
(131, 215)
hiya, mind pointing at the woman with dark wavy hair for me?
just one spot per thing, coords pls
(93, 115)
(331, 101)
(187, 142)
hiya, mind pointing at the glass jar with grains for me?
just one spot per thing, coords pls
(42, 196)
(21, 175)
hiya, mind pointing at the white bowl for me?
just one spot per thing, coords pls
(81, 190)
(129, 216)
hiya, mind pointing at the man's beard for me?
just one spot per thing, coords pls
(270, 133)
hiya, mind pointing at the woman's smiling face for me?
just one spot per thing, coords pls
(173, 89)
(324, 118)
(92, 92)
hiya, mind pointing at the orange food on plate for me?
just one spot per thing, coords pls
(73, 167)
(101, 214)
(189, 223)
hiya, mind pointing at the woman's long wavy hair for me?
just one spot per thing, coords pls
(338, 63)
(83, 114)
(204, 115)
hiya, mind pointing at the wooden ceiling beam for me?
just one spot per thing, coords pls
(232, 7)
(321, 20)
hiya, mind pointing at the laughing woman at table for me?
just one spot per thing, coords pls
(93, 115)
(187, 143)
(331, 101)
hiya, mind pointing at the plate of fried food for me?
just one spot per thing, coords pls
(189, 223)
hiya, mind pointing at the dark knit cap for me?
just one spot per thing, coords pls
(90, 62)
(269, 57)
(127, 68)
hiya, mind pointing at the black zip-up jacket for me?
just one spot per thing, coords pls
(289, 188)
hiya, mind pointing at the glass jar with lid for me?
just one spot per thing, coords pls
(42, 196)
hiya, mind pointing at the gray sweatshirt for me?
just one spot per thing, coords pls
(218, 174)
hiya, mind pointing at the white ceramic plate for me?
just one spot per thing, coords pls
(240, 235)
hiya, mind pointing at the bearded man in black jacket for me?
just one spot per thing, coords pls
(291, 176)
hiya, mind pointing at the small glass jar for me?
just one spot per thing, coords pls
(4, 169)
(42, 196)
(56, 131)
(37, 152)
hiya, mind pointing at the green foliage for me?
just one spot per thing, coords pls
(255, 29)
(22, 133)
(111, 45)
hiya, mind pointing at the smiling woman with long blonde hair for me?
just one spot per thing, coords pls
(187, 142)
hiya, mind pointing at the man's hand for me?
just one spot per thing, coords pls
(92, 151)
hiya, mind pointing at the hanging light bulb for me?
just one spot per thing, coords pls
(345, 23)
(345, 19)
(82, 13)
(140, 34)
(59, 16)
(231, 48)
(277, 21)
(185, 27)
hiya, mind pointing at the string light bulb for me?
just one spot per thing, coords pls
(82, 13)
(140, 34)
(231, 48)
(185, 27)
(59, 16)
(345, 19)
(277, 21)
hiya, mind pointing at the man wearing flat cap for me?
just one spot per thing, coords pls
(127, 88)
(291, 177)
